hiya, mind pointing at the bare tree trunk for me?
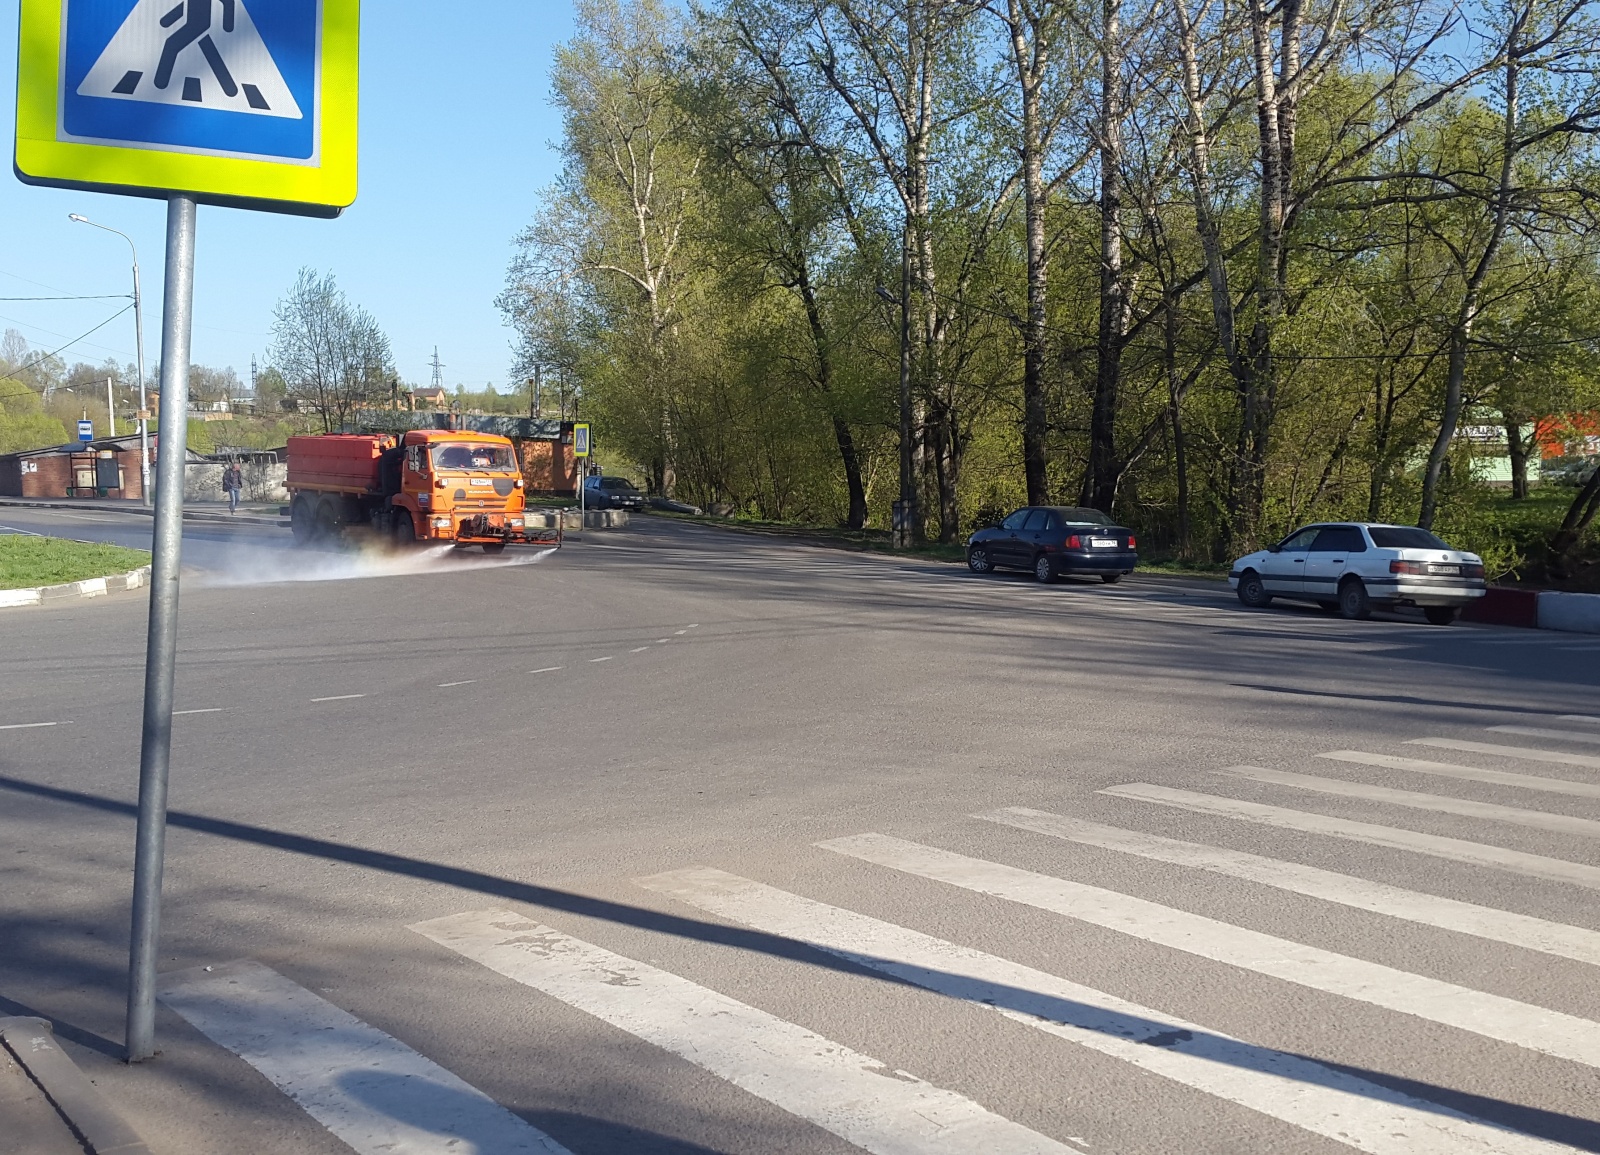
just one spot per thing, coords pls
(1031, 64)
(1100, 480)
(1472, 298)
(1517, 450)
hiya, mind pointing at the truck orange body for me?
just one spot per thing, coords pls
(423, 485)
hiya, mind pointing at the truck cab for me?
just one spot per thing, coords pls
(462, 487)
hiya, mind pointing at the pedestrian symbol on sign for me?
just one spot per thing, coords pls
(217, 63)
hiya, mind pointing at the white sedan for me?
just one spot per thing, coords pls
(1354, 566)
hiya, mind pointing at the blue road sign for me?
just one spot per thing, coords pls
(86, 431)
(232, 101)
(224, 80)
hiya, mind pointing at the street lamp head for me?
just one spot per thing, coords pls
(82, 220)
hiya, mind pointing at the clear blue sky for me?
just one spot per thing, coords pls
(455, 133)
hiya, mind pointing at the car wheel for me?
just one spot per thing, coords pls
(1253, 591)
(1111, 579)
(978, 560)
(302, 521)
(1354, 604)
(405, 530)
(1044, 569)
(1440, 615)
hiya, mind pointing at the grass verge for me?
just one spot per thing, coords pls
(26, 561)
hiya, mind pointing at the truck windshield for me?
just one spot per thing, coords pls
(496, 458)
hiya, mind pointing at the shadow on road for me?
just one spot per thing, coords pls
(1582, 1134)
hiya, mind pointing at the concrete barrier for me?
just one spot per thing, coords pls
(1574, 613)
(572, 519)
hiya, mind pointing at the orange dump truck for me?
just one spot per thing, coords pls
(423, 485)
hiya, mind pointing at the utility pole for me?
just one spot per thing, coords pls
(438, 369)
(138, 336)
(111, 410)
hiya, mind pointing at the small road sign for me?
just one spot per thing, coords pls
(86, 431)
(250, 103)
(580, 439)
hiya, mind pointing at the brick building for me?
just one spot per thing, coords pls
(105, 468)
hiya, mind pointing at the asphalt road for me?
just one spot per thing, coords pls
(436, 824)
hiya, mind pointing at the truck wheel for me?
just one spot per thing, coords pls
(302, 521)
(405, 530)
(494, 547)
(327, 520)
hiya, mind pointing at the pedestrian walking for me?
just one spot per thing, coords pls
(233, 482)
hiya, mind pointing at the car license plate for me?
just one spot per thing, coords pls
(481, 481)
(1103, 542)
(1444, 569)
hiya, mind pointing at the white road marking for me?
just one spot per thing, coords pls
(1491, 1016)
(28, 725)
(1540, 732)
(369, 1089)
(1472, 773)
(546, 670)
(468, 682)
(694, 625)
(1520, 930)
(607, 658)
(662, 641)
(1436, 845)
(679, 633)
(1589, 718)
(207, 710)
(1416, 800)
(845, 1092)
(1295, 1090)
(640, 650)
(339, 698)
(1523, 752)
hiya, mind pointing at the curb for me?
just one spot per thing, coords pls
(88, 588)
(69, 1090)
(140, 511)
(1537, 609)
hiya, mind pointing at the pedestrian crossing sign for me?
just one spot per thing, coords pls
(249, 103)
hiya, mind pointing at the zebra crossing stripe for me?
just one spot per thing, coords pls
(850, 1094)
(1436, 845)
(1286, 1087)
(1520, 930)
(1470, 773)
(1416, 800)
(1521, 1024)
(1540, 732)
(372, 1091)
(1559, 757)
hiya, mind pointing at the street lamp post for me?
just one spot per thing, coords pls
(138, 334)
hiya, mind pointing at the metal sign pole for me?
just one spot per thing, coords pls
(161, 651)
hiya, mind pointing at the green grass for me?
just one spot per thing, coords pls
(1200, 569)
(46, 561)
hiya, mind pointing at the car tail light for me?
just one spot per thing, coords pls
(1409, 567)
(1468, 570)
(1074, 542)
(1133, 542)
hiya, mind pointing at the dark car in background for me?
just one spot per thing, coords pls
(611, 493)
(1053, 541)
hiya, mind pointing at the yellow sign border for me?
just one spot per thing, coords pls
(324, 189)
(588, 439)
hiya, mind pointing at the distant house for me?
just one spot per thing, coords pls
(108, 467)
(430, 398)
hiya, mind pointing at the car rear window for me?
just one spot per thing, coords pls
(1079, 516)
(1403, 537)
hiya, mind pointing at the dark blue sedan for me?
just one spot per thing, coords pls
(1053, 540)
